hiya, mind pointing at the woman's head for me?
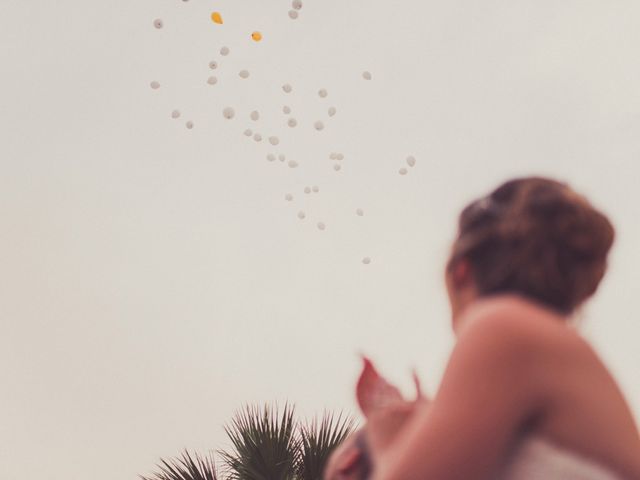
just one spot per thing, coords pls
(532, 236)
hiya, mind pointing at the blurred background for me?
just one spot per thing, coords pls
(154, 279)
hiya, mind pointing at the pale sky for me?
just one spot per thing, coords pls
(153, 279)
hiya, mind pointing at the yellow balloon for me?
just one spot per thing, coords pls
(217, 18)
(257, 36)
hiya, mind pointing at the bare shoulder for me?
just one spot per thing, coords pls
(549, 368)
(506, 338)
(510, 317)
(527, 334)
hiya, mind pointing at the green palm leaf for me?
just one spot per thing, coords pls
(317, 441)
(185, 468)
(265, 445)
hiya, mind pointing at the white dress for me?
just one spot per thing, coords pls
(538, 459)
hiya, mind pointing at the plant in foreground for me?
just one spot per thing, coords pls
(317, 440)
(267, 445)
(187, 467)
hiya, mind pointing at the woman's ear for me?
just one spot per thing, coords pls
(461, 274)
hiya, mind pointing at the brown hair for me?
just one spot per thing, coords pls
(536, 237)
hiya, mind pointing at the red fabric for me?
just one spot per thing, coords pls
(373, 391)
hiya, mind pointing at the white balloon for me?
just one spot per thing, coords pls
(271, 157)
(281, 157)
(293, 14)
(318, 125)
(366, 260)
(366, 75)
(155, 85)
(411, 160)
(292, 122)
(301, 215)
(228, 113)
(244, 73)
(288, 197)
(158, 23)
(315, 188)
(332, 111)
(224, 51)
(257, 137)
(359, 212)
(189, 125)
(307, 190)
(274, 140)
(287, 88)
(321, 226)
(175, 114)
(322, 93)
(337, 167)
(213, 64)
(402, 171)
(255, 115)
(297, 4)
(293, 164)
(286, 110)
(212, 80)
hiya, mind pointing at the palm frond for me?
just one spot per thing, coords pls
(265, 445)
(187, 467)
(318, 440)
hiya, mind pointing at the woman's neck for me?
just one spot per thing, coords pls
(482, 305)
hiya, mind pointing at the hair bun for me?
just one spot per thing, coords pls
(568, 221)
(538, 237)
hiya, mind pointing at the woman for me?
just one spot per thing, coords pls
(523, 395)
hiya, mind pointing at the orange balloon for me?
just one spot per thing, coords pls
(257, 36)
(217, 18)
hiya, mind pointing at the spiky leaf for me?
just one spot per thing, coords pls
(318, 440)
(187, 467)
(265, 445)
